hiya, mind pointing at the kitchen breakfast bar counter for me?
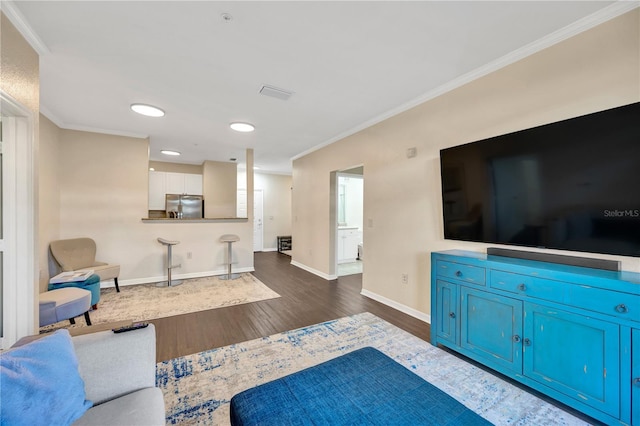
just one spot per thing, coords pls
(205, 220)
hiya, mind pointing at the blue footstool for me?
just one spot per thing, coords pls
(364, 387)
(92, 284)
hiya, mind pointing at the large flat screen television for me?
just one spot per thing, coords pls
(570, 185)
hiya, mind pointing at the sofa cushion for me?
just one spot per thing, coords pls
(41, 384)
(105, 271)
(143, 407)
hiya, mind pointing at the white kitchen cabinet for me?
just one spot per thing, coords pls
(193, 184)
(348, 240)
(175, 183)
(157, 182)
(162, 183)
(184, 183)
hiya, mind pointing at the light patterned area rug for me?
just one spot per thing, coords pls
(146, 301)
(197, 388)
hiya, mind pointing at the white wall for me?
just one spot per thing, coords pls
(592, 71)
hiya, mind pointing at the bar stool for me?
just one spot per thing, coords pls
(229, 239)
(169, 283)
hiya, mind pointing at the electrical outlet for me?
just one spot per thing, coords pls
(189, 255)
(405, 278)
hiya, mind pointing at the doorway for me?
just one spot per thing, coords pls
(349, 221)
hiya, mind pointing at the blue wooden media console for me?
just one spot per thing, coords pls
(570, 332)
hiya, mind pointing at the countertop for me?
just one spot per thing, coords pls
(205, 220)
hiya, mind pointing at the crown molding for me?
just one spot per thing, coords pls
(51, 116)
(603, 15)
(20, 22)
(104, 131)
(61, 124)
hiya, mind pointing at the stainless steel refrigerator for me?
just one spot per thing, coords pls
(182, 206)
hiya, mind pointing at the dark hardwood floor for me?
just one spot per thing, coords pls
(306, 299)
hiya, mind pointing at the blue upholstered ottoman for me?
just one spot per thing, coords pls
(92, 284)
(364, 387)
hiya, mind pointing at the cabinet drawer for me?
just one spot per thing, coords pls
(527, 285)
(621, 305)
(459, 271)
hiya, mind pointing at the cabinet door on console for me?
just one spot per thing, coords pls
(635, 376)
(491, 327)
(573, 354)
(447, 311)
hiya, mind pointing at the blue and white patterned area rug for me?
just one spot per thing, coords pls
(197, 388)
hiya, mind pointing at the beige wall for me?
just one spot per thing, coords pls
(49, 194)
(276, 206)
(103, 193)
(20, 69)
(161, 166)
(219, 188)
(595, 70)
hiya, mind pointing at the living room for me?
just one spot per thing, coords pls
(587, 72)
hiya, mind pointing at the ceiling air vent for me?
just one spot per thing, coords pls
(274, 92)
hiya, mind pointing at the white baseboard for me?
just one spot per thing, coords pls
(397, 306)
(157, 279)
(314, 271)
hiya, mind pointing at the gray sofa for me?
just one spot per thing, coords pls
(119, 373)
(101, 378)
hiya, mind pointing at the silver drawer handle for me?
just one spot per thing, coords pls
(522, 287)
(622, 308)
(452, 314)
(458, 273)
(636, 381)
(516, 338)
(527, 342)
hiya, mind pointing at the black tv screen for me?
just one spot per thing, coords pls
(571, 185)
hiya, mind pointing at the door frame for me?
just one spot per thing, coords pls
(334, 192)
(19, 222)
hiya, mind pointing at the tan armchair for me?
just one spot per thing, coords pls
(79, 254)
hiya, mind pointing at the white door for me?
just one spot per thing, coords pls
(257, 220)
(18, 258)
(241, 210)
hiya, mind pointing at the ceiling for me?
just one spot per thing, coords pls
(348, 64)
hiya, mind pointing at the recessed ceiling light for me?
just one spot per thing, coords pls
(242, 127)
(148, 110)
(256, 168)
(152, 169)
(168, 152)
